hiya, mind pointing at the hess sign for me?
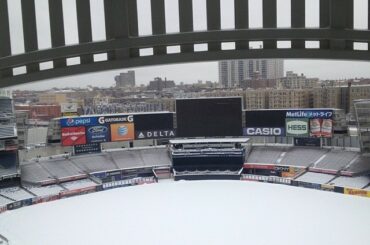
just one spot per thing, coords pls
(297, 127)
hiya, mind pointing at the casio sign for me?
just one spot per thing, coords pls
(263, 131)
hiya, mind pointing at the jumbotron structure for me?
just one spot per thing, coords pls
(336, 35)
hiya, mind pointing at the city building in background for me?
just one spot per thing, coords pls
(158, 84)
(232, 72)
(125, 79)
(40, 112)
(52, 98)
(295, 81)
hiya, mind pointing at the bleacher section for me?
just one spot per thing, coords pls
(62, 169)
(265, 154)
(93, 163)
(297, 156)
(353, 182)
(141, 158)
(32, 172)
(8, 171)
(335, 160)
(360, 166)
(4, 201)
(78, 184)
(15, 193)
(317, 178)
(51, 171)
(45, 190)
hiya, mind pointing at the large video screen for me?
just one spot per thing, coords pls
(153, 121)
(209, 117)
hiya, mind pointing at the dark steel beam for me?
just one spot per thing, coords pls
(133, 25)
(213, 21)
(29, 30)
(186, 57)
(298, 20)
(117, 25)
(341, 18)
(84, 27)
(5, 48)
(324, 20)
(183, 38)
(57, 28)
(241, 20)
(158, 23)
(186, 22)
(269, 20)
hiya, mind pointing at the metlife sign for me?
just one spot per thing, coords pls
(322, 114)
(155, 134)
(297, 127)
(263, 131)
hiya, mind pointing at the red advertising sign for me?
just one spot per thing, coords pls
(321, 127)
(73, 136)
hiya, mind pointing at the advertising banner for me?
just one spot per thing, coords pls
(263, 131)
(68, 107)
(297, 127)
(326, 187)
(78, 121)
(322, 114)
(356, 192)
(155, 134)
(97, 134)
(116, 119)
(87, 148)
(73, 136)
(321, 127)
(307, 142)
(122, 131)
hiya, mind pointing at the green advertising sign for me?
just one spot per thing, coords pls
(296, 127)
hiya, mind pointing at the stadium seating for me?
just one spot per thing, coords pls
(297, 156)
(336, 160)
(94, 163)
(264, 154)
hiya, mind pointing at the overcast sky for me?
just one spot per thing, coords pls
(190, 72)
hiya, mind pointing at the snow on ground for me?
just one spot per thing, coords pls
(72, 185)
(44, 190)
(317, 178)
(201, 212)
(15, 193)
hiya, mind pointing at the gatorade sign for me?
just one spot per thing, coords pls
(297, 127)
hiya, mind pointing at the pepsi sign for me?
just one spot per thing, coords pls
(78, 121)
(263, 131)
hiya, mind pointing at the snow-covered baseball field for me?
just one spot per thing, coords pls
(201, 212)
